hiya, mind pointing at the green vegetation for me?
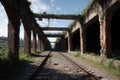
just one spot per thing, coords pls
(87, 8)
(26, 57)
(109, 67)
(8, 69)
(77, 53)
(91, 6)
(72, 24)
(3, 53)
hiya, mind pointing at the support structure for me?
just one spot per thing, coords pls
(40, 41)
(105, 27)
(55, 28)
(28, 22)
(69, 42)
(53, 35)
(34, 41)
(27, 40)
(13, 30)
(55, 16)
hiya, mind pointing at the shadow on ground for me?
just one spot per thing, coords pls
(9, 70)
(52, 74)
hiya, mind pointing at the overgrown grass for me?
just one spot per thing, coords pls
(77, 53)
(3, 53)
(108, 67)
(37, 51)
(26, 57)
(9, 70)
(91, 6)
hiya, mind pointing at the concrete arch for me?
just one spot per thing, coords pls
(13, 30)
(92, 34)
(112, 25)
(75, 39)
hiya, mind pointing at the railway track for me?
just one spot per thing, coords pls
(55, 73)
(31, 75)
(40, 67)
(92, 77)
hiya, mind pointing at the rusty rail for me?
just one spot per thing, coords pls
(40, 67)
(92, 77)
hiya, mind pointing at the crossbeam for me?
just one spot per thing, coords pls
(52, 42)
(56, 16)
(55, 28)
(53, 35)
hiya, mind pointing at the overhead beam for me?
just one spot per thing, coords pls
(53, 42)
(55, 28)
(53, 35)
(56, 16)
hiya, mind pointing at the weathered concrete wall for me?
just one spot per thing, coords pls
(104, 11)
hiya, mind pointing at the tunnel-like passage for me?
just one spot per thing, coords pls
(93, 37)
(115, 31)
(76, 40)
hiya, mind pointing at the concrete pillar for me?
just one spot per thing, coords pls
(13, 39)
(69, 42)
(82, 40)
(28, 21)
(34, 41)
(105, 35)
(13, 29)
(43, 44)
(27, 40)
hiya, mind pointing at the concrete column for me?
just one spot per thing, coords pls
(43, 44)
(28, 21)
(34, 41)
(27, 40)
(13, 39)
(69, 42)
(82, 40)
(105, 35)
(13, 29)
(40, 42)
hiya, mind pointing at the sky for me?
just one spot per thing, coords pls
(50, 7)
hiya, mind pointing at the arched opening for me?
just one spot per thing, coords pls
(21, 42)
(93, 38)
(76, 40)
(115, 40)
(3, 28)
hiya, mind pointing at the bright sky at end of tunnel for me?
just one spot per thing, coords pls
(50, 7)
